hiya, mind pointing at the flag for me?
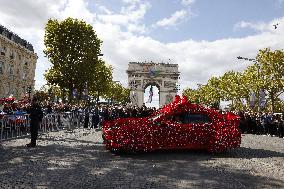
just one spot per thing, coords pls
(252, 99)
(244, 102)
(262, 100)
(75, 93)
(150, 95)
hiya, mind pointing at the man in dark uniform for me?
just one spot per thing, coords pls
(95, 118)
(36, 116)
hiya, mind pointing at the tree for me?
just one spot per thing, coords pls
(101, 80)
(72, 47)
(192, 95)
(118, 93)
(267, 73)
(272, 69)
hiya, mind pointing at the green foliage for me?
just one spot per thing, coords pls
(119, 94)
(267, 73)
(272, 73)
(72, 47)
(101, 80)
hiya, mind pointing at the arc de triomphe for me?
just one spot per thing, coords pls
(162, 75)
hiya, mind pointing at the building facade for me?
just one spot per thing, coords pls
(17, 65)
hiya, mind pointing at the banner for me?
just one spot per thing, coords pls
(244, 102)
(75, 93)
(252, 99)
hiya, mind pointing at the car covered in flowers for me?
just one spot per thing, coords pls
(178, 125)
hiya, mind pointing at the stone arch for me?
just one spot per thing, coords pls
(150, 83)
(162, 75)
(153, 83)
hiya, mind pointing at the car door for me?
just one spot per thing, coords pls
(195, 129)
(166, 133)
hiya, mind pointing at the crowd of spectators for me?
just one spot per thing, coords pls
(94, 115)
(262, 123)
(250, 122)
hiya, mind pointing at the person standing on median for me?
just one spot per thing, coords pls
(36, 115)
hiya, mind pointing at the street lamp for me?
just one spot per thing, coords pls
(258, 74)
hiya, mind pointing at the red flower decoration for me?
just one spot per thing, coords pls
(198, 128)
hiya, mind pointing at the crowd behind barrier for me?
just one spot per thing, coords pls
(13, 126)
(262, 123)
(14, 122)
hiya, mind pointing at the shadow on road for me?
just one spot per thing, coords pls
(91, 166)
(249, 153)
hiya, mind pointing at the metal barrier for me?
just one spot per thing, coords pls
(13, 126)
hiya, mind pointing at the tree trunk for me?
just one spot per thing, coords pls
(98, 97)
(272, 101)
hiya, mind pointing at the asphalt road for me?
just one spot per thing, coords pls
(78, 160)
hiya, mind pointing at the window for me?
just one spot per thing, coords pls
(12, 56)
(196, 118)
(2, 50)
(179, 118)
(1, 67)
(11, 70)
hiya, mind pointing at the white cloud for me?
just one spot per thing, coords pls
(78, 9)
(131, 1)
(174, 19)
(187, 2)
(130, 16)
(261, 26)
(104, 10)
(255, 26)
(197, 60)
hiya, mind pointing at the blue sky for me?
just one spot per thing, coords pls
(206, 20)
(203, 37)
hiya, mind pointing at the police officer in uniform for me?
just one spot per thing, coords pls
(36, 115)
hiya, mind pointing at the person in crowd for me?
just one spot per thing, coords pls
(36, 115)
(263, 122)
(49, 108)
(8, 109)
(243, 122)
(87, 117)
(281, 127)
(95, 117)
(258, 123)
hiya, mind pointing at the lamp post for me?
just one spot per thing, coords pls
(258, 76)
(98, 97)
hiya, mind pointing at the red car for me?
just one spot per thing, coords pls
(179, 125)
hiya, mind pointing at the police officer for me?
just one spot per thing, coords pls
(36, 116)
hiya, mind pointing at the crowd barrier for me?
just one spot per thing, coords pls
(14, 126)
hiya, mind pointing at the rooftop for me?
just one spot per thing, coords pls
(15, 38)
